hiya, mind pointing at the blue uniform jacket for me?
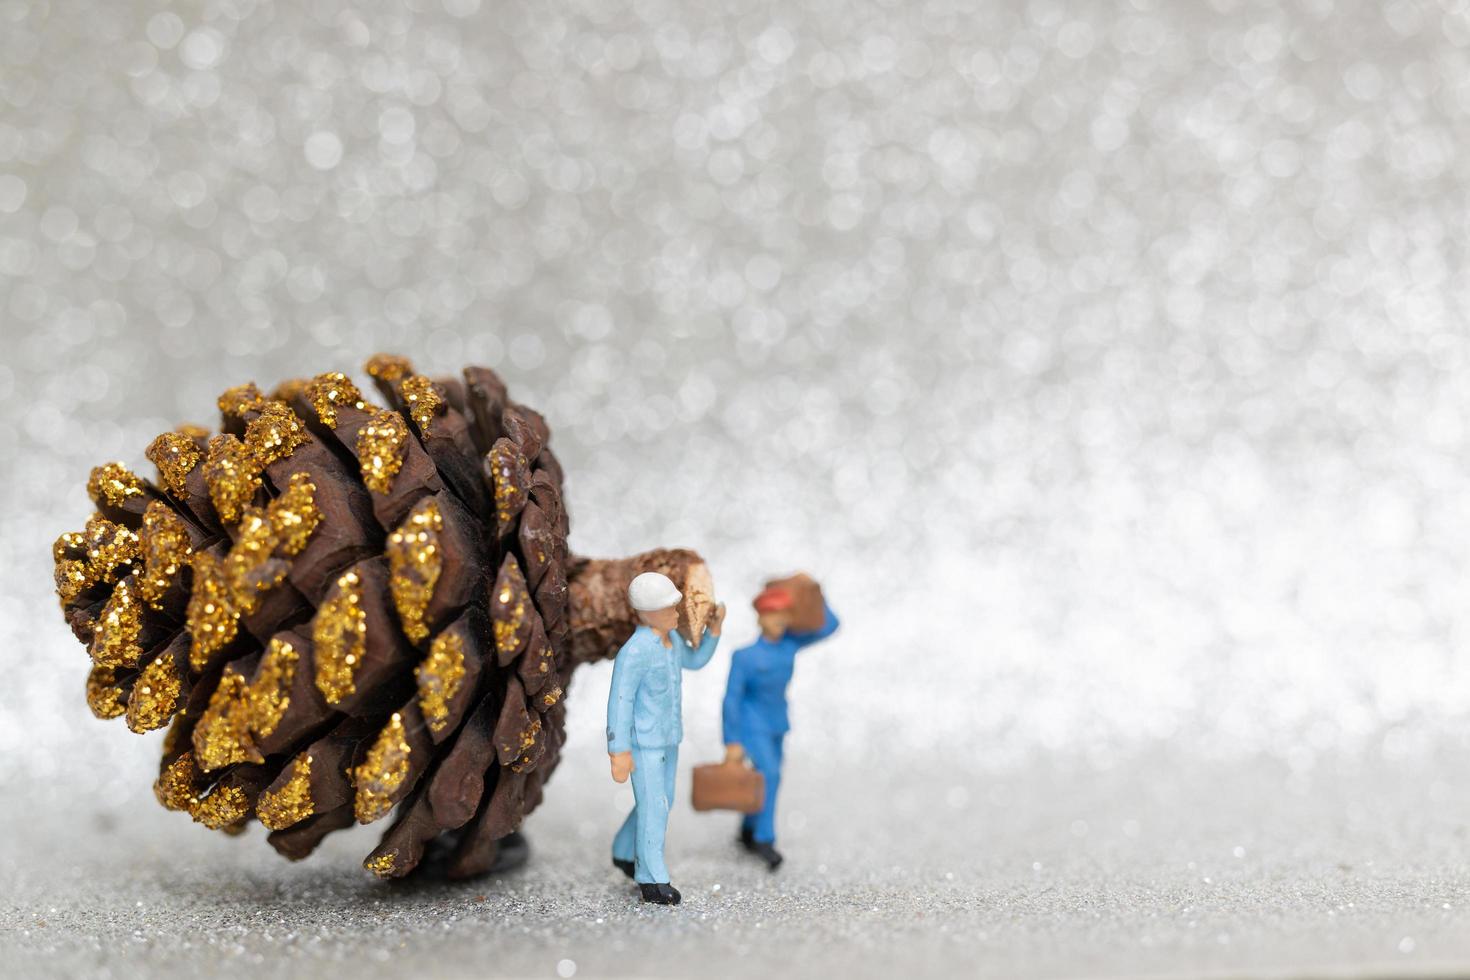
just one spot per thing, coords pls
(755, 699)
(644, 706)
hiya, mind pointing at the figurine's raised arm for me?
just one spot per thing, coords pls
(693, 658)
(828, 627)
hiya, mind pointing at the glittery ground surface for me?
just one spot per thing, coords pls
(1162, 867)
(1106, 361)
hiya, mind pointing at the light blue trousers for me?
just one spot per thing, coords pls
(764, 752)
(641, 838)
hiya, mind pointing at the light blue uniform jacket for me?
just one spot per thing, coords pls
(645, 704)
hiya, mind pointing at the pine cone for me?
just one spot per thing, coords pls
(341, 611)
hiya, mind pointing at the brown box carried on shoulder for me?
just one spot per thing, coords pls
(808, 612)
(729, 786)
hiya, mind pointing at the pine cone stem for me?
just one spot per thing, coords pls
(603, 619)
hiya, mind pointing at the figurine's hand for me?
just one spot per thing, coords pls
(622, 765)
(716, 620)
(734, 752)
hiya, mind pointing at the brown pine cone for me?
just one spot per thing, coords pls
(343, 611)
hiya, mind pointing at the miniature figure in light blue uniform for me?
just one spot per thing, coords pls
(755, 717)
(645, 726)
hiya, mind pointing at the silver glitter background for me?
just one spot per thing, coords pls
(1106, 361)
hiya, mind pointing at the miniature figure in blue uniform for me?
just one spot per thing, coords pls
(645, 726)
(755, 718)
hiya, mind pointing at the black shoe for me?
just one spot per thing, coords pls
(626, 867)
(660, 894)
(766, 853)
(747, 837)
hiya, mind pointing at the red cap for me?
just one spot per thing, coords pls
(773, 600)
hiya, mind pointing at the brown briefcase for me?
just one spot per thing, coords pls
(729, 786)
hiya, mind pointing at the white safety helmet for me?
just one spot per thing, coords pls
(651, 591)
